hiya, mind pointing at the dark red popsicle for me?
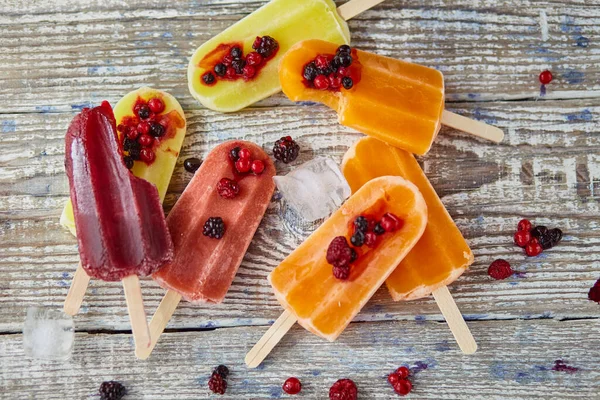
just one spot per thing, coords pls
(120, 222)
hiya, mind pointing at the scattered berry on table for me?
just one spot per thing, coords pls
(192, 164)
(403, 387)
(545, 77)
(292, 386)
(222, 370)
(522, 238)
(539, 231)
(214, 228)
(112, 390)
(393, 378)
(524, 225)
(500, 269)
(343, 389)
(228, 188)
(286, 149)
(594, 293)
(403, 372)
(533, 248)
(217, 384)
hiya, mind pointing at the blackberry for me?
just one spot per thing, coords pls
(538, 231)
(192, 164)
(546, 241)
(220, 69)
(343, 49)
(112, 390)
(361, 223)
(556, 236)
(310, 71)
(144, 112)
(208, 78)
(378, 229)
(214, 228)
(157, 130)
(268, 46)
(217, 384)
(234, 153)
(235, 52)
(286, 149)
(128, 162)
(358, 239)
(238, 65)
(222, 370)
(347, 82)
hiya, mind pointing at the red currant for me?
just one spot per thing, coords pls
(292, 386)
(147, 155)
(244, 154)
(249, 71)
(321, 61)
(156, 105)
(132, 133)
(321, 82)
(146, 140)
(403, 372)
(403, 387)
(393, 378)
(370, 239)
(257, 167)
(230, 73)
(335, 81)
(524, 225)
(522, 238)
(390, 222)
(144, 127)
(243, 165)
(533, 248)
(545, 77)
(254, 59)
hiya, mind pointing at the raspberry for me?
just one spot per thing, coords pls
(390, 222)
(341, 272)
(343, 389)
(217, 384)
(533, 248)
(112, 390)
(594, 293)
(228, 188)
(222, 370)
(257, 167)
(500, 269)
(321, 82)
(522, 238)
(214, 228)
(370, 239)
(266, 47)
(339, 253)
(524, 225)
(156, 105)
(254, 59)
(243, 165)
(403, 387)
(286, 149)
(403, 372)
(292, 386)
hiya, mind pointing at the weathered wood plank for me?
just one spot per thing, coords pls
(514, 361)
(549, 159)
(62, 55)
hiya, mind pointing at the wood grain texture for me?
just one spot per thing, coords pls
(514, 361)
(61, 56)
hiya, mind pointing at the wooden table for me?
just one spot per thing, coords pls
(60, 56)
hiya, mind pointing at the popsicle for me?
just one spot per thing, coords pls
(395, 101)
(120, 223)
(166, 111)
(238, 67)
(441, 255)
(212, 225)
(326, 281)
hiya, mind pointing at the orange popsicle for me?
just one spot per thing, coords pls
(442, 254)
(395, 101)
(304, 282)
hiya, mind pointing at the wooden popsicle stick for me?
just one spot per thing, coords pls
(354, 7)
(77, 291)
(455, 320)
(135, 307)
(276, 332)
(159, 322)
(476, 128)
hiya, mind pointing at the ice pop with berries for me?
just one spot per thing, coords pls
(151, 127)
(212, 225)
(238, 67)
(121, 228)
(441, 255)
(395, 101)
(328, 279)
